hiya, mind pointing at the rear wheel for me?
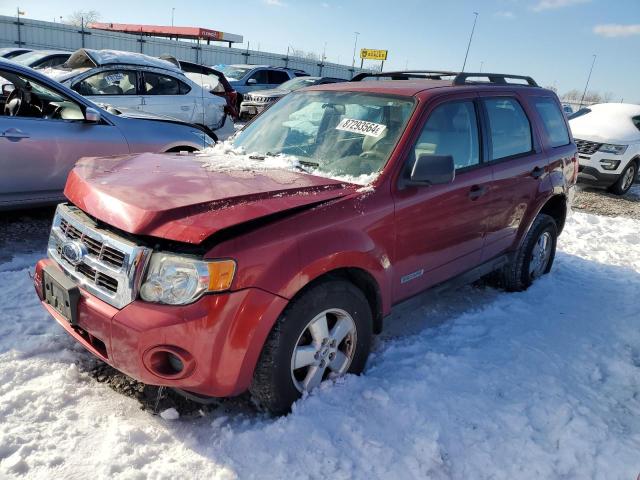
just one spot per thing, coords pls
(323, 334)
(626, 179)
(535, 256)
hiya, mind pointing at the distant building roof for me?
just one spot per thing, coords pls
(164, 31)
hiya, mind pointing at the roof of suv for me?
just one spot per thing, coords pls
(412, 83)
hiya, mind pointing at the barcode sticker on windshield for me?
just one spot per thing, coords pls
(360, 126)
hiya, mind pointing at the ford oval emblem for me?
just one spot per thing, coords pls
(73, 252)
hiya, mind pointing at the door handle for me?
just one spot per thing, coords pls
(537, 172)
(477, 191)
(14, 134)
(185, 108)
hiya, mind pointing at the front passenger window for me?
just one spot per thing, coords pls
(110, 82)
(260, 77)
(451, 129)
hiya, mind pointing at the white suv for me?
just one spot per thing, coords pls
(608, 140)
(135, 81)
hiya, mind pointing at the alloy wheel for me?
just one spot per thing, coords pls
(540, 255)
(324, 349)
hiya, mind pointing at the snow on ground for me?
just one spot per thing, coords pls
(474, 383)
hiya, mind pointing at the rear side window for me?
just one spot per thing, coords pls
(636, 121)
(155, 84)
(509, 127)
(553, 121)
(277, 77)
(451, 129)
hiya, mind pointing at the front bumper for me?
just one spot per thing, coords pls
(223, 334)
(591, 169)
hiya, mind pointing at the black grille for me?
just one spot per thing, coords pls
(100, 279)
(102, 252)
(587, 148)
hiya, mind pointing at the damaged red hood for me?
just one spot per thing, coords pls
(175, 197)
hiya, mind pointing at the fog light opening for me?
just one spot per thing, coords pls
(608, 164)
(169, 362)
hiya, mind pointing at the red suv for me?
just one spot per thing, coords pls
(267, 264)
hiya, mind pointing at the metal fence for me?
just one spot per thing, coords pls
(37, 34)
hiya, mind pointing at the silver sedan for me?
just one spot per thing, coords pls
(45, 128)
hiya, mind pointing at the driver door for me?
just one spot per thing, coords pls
(39, 151)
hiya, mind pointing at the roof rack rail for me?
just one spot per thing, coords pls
(499, 78)
(406, 75)
(458, 78)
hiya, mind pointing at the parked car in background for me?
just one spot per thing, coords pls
(11, 52)
(140, 82)
(268, 266)
(40, 59)
(258, 100)
(248, 78)
(608, 139)
(45, 128)
(211, 80)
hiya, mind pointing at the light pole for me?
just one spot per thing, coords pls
(470, 38)
(588, 79)
(481, 64)
(173, 11)
(355, 44)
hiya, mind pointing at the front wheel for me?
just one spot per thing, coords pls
(626, 179)
(535, 256)
(323, 334)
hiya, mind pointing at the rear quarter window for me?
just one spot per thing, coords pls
(552, 121)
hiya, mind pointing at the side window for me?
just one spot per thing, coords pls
(261, 77)
(553, 121)
(636, 121)
(32, 99)
(156, 84)
(452, 129)
(509, 128)
(277, 77)
(110, 82)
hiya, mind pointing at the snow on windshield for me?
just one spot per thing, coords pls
(224, 157)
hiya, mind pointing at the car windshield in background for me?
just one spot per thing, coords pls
(579, 113)
(342, 134)
(297, 83)
(234, 73)
(28, 58)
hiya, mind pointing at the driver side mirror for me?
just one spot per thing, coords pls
(432, 170)
(7, 88)
(92, 115)
(252, 81)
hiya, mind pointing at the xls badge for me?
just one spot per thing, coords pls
(73, 252)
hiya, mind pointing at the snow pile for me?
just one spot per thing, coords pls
(224, 157)
(474, 383)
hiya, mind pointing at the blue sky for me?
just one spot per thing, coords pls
(551, 40)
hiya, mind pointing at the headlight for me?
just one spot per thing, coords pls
(615, 149)
(178, 280)
(204, 139)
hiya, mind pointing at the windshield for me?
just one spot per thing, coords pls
(297, 83)
(334, 134)
(233, 72)
(28, 58)
(579, 113)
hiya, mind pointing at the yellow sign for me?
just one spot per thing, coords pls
(368, 54)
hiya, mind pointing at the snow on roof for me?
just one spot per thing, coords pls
(85, 57)
(607, 122)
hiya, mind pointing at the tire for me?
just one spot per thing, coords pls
(276, 383)
(518, 275)
(626, 179)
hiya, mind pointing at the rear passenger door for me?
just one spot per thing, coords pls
(519, 167)
(166, 95)
(440, 228)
